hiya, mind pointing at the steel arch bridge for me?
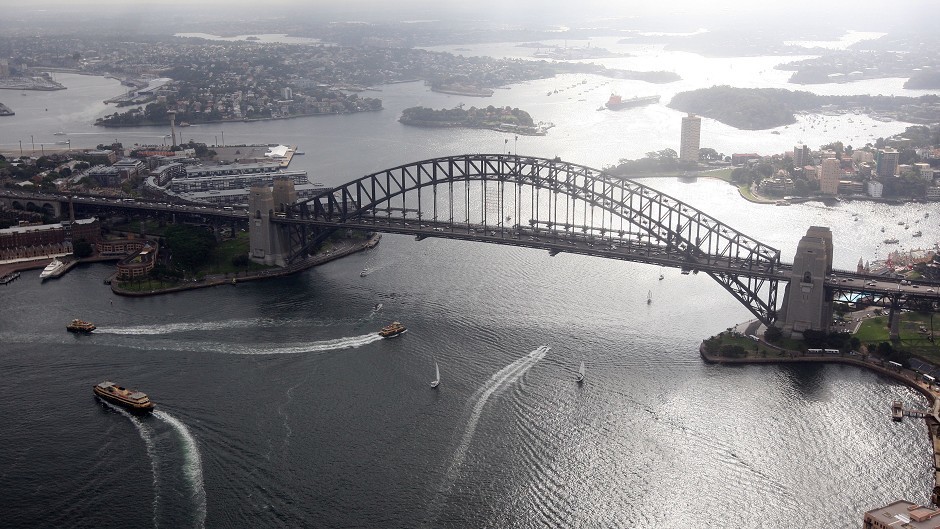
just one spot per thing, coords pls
(542, 203)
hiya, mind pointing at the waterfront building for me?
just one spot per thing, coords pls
(901, 513)
(233, 181)
(802, 155)
(239, 197)
(287, 93)
(886, 162)
(165, 173)
(139, 263)
(105, 175)
(851, 187)
(876, 188)
(129, 168)
(924, 170)
(744, 158)
(690, 138)
(933, 193)
(4, 68)
(232, 169)
(810, 173)
(45, 240)
(120, 246)
(104, 157)
(780, 185)
(829, 173)
(862, 157)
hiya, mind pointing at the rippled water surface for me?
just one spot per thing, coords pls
(279, 407)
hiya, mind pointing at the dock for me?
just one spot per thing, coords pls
(898, 412)
(8, 278)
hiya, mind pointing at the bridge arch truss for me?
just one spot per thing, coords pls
(542, 203)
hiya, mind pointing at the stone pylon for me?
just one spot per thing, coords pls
(806, 304)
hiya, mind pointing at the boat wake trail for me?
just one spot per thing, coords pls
(193, 467)
(170, 328)
(350, 342)
(147, 435)
(504, 377)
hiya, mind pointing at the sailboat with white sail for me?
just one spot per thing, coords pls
(649, 297)
(581, 373)
(437, 376)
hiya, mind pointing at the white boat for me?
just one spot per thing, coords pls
(437, 376)
(52, 268)
(60, 133)
(581, 372)
(365, 272)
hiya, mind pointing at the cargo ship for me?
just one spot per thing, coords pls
(618, 103)
(80, 326)
(131, 399)
(392, 330)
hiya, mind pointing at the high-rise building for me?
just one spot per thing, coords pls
(691, 138)
(886, 162)
(829, 172)
(802, 155)
(287, 93)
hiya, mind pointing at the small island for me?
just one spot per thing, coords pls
(503, 119)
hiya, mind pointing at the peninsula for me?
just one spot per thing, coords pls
(764, 108)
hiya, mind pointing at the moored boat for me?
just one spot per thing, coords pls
(392, 330)
(80, 326)
(128, 398)
(51, 269)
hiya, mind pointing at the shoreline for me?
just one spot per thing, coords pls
(931, 418)
(226, 279)
(243, 120)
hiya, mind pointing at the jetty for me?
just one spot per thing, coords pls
(5, 110)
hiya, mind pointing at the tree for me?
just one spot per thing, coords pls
(708, 154)
(190, 246)
(773, 334)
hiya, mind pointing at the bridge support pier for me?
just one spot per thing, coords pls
(807, 305)
(269, 244)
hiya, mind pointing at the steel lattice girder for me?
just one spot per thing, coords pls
(675, 226)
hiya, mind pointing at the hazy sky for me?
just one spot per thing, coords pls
(806, 9)
(682, 15)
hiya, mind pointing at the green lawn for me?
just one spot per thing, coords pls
(875, 331)
(221, 260)
(721, 174)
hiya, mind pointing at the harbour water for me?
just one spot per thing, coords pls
(279, 407)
